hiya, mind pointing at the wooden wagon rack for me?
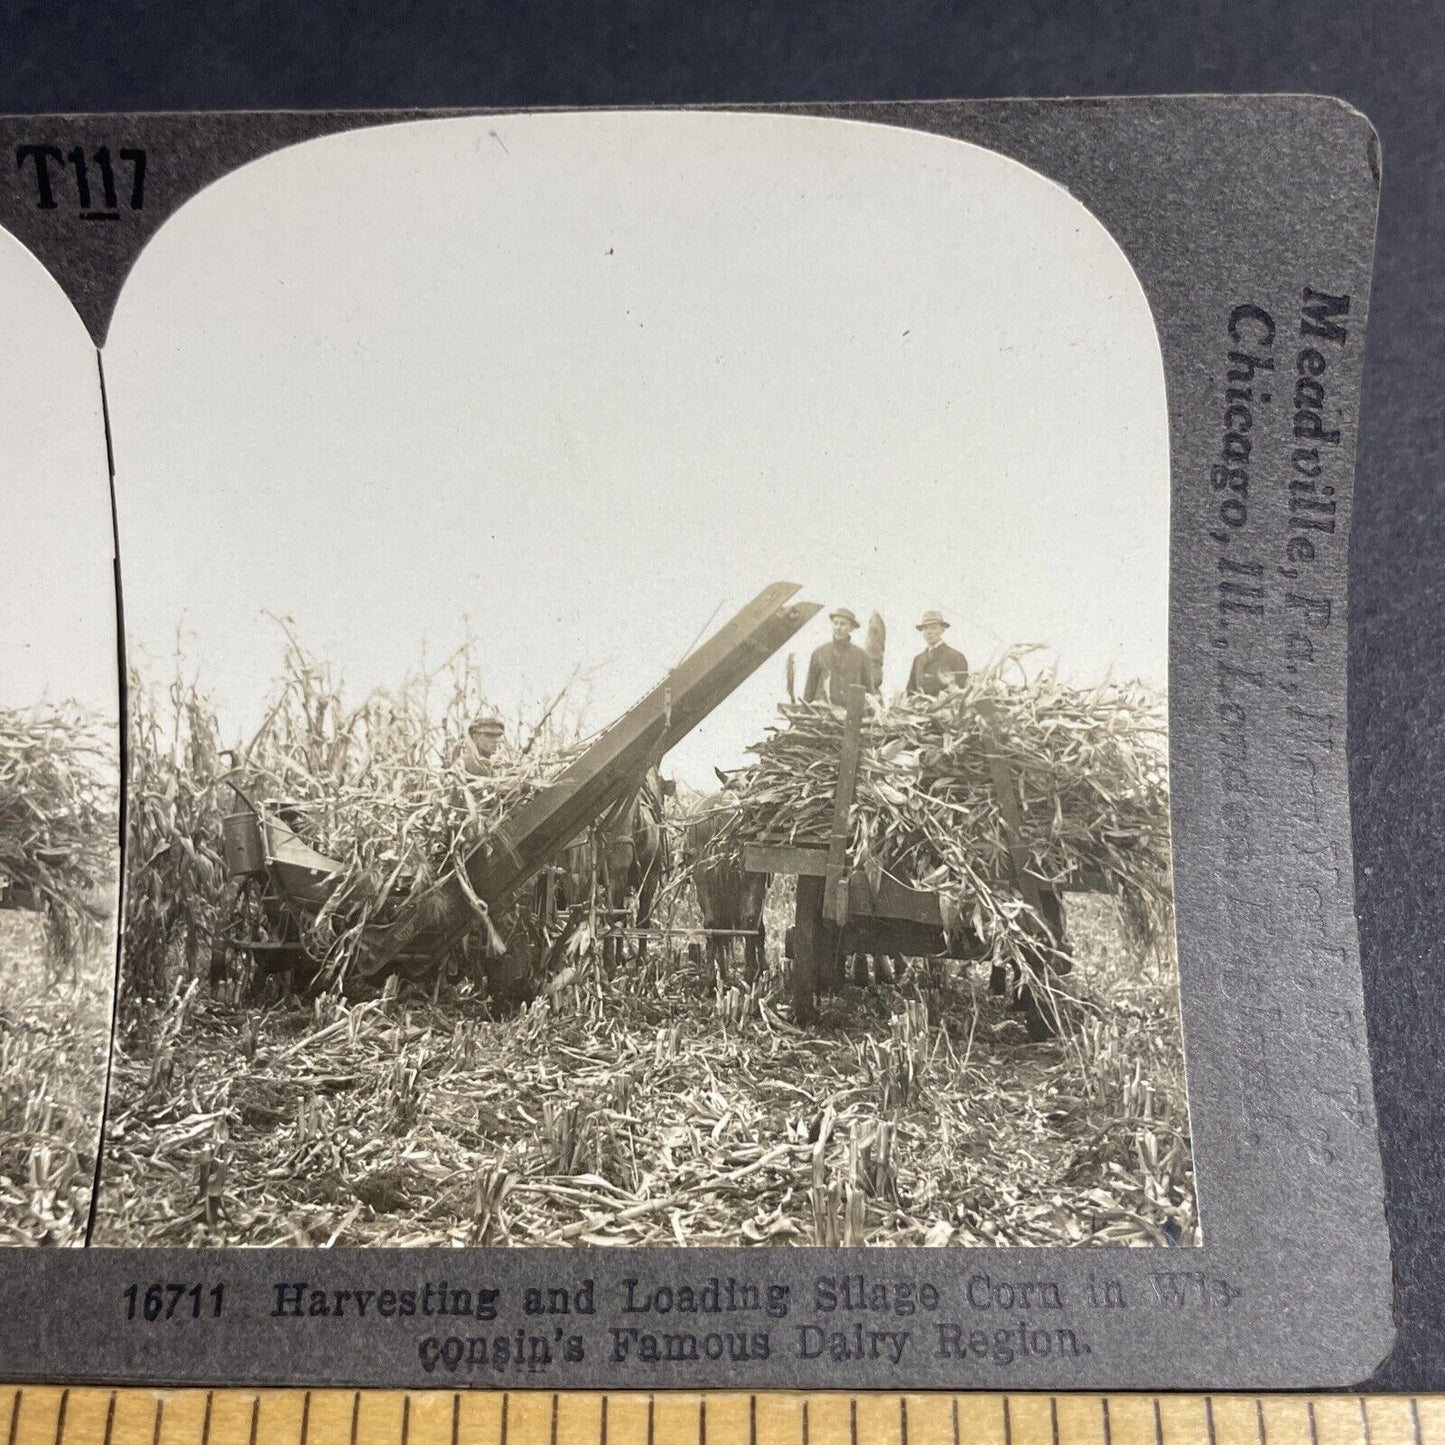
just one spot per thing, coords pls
(837, 899)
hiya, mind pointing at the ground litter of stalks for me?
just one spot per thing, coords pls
(649, 1109)
(54, 1039)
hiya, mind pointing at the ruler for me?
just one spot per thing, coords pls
(52, 1415)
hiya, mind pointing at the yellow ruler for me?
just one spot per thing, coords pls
(51, 1415)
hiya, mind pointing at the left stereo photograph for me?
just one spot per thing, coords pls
(59, 761)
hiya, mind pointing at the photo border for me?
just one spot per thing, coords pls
(1229, 209)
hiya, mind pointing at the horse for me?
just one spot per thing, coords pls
(627, 851)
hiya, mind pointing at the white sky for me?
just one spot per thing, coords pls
(57, 588)
(579, 381)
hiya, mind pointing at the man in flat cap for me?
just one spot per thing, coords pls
(838, 664)
(938, 666)
(484, 750)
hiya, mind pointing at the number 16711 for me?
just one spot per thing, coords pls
(173, 1301)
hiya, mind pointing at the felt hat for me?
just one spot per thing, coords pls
(842, 614)
(932, 618)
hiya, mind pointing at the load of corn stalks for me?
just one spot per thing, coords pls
(1087, 768)
(57, 822)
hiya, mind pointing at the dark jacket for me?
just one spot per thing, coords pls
(835, 667)
(935, 668)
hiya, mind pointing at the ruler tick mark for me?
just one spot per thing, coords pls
(66, 1431)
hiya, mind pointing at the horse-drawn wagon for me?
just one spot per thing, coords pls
(843, 907)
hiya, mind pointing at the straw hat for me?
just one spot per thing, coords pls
(842, 614)
(932, 618)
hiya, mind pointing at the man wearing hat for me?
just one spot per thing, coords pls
(485, 737)
(838, 664)
(938, 666)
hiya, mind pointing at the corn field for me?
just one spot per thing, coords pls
(59, 861)
(642, 1105)
(58, 834)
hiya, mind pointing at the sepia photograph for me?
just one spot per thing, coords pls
(647, 647)
(59, 762)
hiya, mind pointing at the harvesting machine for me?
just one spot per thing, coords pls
(289, 883)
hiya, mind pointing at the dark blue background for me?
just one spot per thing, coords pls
(1388, 59)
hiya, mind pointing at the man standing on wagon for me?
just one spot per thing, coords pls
(938, 666)
(838, 664)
